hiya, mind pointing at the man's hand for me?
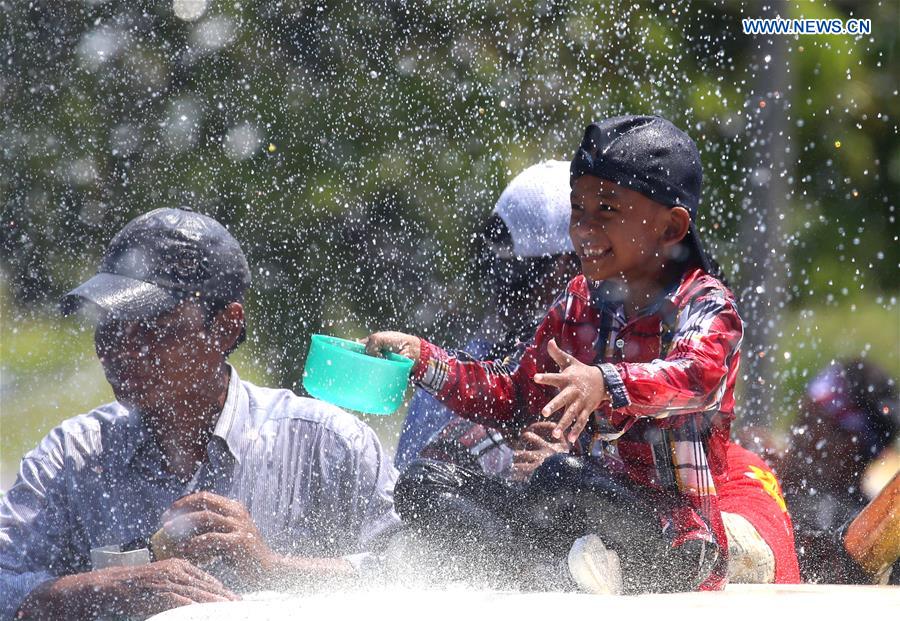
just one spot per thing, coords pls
(143, 590)
(532, 447)
(397, 342)
(581, 391)
(203, 527)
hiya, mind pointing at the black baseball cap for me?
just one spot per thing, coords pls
(648, 155)
(161, 258)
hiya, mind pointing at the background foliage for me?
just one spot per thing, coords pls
(353, 149)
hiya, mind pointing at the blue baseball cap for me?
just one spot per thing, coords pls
(161, 258)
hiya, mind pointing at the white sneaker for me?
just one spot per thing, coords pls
(594, 568)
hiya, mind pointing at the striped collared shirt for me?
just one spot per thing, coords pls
(315, 480)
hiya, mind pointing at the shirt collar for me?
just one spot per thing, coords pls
(229, 425)
(609, 295)
(235, 416)
(136, 436)
(664, 303)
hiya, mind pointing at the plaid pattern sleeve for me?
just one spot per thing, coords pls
(700, 368)
(497, 392)
(433, 368)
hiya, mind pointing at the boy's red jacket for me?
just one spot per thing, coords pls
(670, 372)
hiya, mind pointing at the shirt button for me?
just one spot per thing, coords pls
(620, 343)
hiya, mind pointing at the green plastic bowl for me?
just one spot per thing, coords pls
(340, 372)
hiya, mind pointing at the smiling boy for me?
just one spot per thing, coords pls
(636, 361)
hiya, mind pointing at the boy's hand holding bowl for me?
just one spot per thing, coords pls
(396, 342)
(581, 386)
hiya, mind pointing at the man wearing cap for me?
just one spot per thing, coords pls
(223, 483)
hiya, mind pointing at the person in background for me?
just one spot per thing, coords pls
(223, 484)
(849, 420)
(525, 258)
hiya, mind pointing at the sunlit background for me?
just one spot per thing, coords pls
(354, 148)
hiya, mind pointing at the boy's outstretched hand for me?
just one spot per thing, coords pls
(397, 342)
(581, 391)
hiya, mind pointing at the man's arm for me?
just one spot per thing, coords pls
(35, 543)
(369, 488)
(143, 590)
(41, 573)
(205, 528)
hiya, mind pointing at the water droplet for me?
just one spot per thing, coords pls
(189, 10)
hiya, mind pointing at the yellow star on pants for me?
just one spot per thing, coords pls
(769, 483)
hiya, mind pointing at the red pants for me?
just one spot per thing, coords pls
(749, 489)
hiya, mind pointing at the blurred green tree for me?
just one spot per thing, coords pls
(353, 148)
